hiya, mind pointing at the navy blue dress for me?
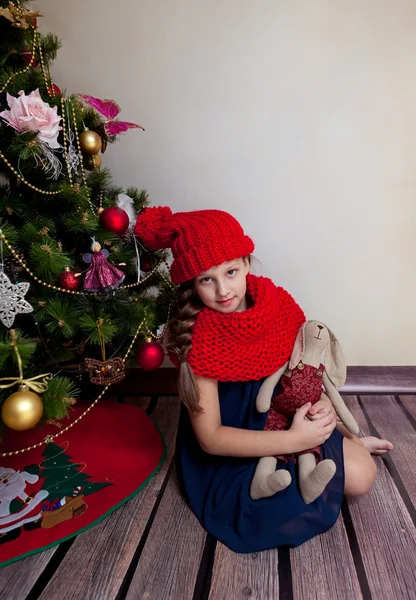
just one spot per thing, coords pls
(218, 487)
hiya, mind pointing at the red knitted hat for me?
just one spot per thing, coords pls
(199, 239)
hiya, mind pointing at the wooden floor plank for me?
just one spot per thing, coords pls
(409, 402)
(385, 531)
(170, 560)
(328, 577)
(317, 571)
(322, 569)
(253, 576)
(97, 561)
(17, 579)
(391, 423)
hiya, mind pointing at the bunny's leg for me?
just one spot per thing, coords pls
(267, 481)
(313, 477)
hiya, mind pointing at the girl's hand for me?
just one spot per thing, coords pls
(321, 408)
(310, 433)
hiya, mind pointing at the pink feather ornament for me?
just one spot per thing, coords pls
(109, 109)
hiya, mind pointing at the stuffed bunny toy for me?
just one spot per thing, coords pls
(301, 380)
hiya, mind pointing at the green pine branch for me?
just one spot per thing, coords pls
(88, 324)
(60, 318)
(140, 198)
(78, 198)
(99, 180)
(50, 45)
(47, 259)
(11, 234)
(8, 358)
(43, 227)
(24, 146)
(82, 222)
(59, 389)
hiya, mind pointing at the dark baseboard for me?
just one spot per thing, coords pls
(137, 382)
(380, 380)
(360, 380)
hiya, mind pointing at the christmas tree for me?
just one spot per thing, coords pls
(62, 477)
(74, 301)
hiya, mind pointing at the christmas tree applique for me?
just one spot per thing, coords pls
(67, 484)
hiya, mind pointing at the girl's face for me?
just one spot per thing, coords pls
(223, 288)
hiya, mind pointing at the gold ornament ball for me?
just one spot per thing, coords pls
(22, 410)
(93, 162)
(90, 142)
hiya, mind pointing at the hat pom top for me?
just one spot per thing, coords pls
(154, 227)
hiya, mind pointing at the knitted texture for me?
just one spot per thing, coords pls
(247, 345)
(199, 239)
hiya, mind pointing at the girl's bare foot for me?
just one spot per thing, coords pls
(376, 445)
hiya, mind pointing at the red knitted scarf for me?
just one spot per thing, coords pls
(248, 345)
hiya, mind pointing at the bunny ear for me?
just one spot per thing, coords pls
(154, 226)
(335, 364)
(298, 348)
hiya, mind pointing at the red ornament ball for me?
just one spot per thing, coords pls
(54, 89)
(150, 356)
(146, 262)
(68, 281)
(114, 219)
(27, 57)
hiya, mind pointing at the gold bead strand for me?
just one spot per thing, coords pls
(42, 62)
(81, 158)
(58, 289)
(50, 438)
(164, 278)
(23, 180)
(26, 69)
(84, 180)
(50, 79)
(100, 208)
(26, 268)
(137, 284)
(92, 207)
(134, 338)
(64, 130)
(159, 338)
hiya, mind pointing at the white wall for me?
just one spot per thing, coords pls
(297, 117)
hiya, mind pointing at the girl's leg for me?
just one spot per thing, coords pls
(360, 469)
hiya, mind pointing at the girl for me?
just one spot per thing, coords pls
(232, 329)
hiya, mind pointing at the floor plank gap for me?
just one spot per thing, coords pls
(406, 412)
(50, 569)
(355, 551)
(152, 405)
(285, 574)
(203, 580)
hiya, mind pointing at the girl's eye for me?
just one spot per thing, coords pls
(206, 279)
(232, 271)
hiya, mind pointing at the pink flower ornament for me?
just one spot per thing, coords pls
(31, 113)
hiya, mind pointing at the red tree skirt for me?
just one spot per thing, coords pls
(54, 492)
